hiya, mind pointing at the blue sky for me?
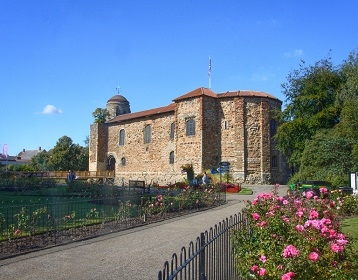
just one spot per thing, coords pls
(60, 60)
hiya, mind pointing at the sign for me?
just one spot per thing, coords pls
(223, 169)
(224, 163)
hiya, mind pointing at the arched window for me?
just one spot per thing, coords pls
(123, 161)
(274, 162)
(122, 134)
(147, 134)
(172, 129)
(190, 127)
(171, 157)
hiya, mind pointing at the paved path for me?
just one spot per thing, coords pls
(137, 253)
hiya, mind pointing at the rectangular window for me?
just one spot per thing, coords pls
(171, 157)
(172, 129)
(147, 132)
(190, 127)
(121, 137)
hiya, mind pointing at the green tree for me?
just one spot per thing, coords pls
(66, 155)
(349, 88)
(319, 131)
(310, 96)
(327, 156)
(100, 115)
(41, 161)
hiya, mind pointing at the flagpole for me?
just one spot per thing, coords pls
(209, 72)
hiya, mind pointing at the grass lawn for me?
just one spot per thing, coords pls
(350, 228)
(246, 191)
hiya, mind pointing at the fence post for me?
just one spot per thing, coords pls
(202, 257)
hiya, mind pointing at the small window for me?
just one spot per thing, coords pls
(274, 162)
(121, 137)
(147, 134)
(273, 127)
(190, 127)
(172, 129)
(123, 161)
(171, 157)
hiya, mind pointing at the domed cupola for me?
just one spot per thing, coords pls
(117, 105)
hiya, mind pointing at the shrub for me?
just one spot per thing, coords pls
(293, 238)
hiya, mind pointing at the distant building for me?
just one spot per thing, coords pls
(201, 128)
(26, 155)
(23, 157)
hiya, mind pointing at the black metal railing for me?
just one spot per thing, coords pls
(210, 256)
(51, 221)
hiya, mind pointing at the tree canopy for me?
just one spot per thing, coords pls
(100, 115)
(319, 125)
(64, 156)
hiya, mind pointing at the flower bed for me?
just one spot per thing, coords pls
(233, 189)
(293, 238)
(230, 188)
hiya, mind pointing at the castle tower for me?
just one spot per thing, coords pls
(117, 105)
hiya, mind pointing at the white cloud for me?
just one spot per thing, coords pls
(296, 52)
(51, 110)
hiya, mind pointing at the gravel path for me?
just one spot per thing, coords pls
(137, 253)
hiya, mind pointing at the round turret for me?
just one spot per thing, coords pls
(117, 105)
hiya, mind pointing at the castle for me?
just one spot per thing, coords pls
(202, 128)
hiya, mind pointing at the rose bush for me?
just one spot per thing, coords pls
(293, 238)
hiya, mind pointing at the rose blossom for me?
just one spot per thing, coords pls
(299, 213)
(262, 271)
(309, 194)
(313, 214)
(263, 223)
(290, 251)
(335, 247)
(300, 228)
(313, 256)
(263, 258)
(288, 276)
(255, 216)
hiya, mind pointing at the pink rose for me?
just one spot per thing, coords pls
(263, 258)
(290, 251)
(335, 247)
(300, 228)
(313, 256)
(255, 216)
(313, 214)
(288, 276)
(309, 194)
(262, 271)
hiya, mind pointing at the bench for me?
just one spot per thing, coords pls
(138, 184)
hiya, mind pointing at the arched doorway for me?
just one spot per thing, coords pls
(111, 163)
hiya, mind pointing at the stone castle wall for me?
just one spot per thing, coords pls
(233, 129)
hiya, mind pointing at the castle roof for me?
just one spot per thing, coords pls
(245, 93)
(146, 113)
(202, 91)
(118, 98)
(197, 92)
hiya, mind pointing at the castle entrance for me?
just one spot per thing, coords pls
(111, 163)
